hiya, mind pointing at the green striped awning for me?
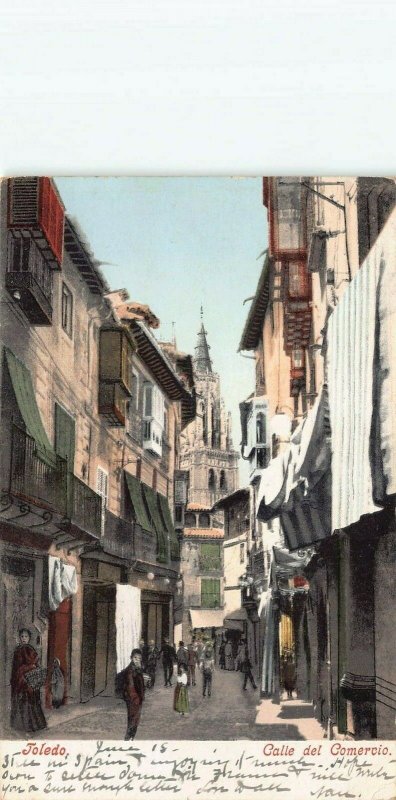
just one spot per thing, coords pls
(137, 500)
(26, 399)
(166, 514)
(159, 527)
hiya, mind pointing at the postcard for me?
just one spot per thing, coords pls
(198, 466)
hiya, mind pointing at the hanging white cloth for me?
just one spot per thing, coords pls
(62, 581)
(267, 680)
(360, 367)
(128, 619)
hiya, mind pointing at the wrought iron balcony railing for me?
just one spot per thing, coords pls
(35, 478)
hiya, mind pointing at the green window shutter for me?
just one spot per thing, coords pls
(135, 489)
(210, 556)
(162, 539)
(65, 435)
(174, 543)
(26, 400)
(210, 592)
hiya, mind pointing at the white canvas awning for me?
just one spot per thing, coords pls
(207, 618)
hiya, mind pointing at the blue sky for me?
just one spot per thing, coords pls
(175, 243)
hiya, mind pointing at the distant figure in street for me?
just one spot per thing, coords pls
(192, 663)
(246, 668)
(133, 692)
(151, 663)
(168, 659)
(180, 701)
(182, 656)
(57, 684)
(26, 711)
(208, 665)
(240, 654)
(289, 676)
(200, 649)
(222, 655)
(143, 647)
(229, 658)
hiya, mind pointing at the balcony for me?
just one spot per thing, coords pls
(34, 478)
(34, 208)
(112, 404)
(145, 545)
(152, 436)
(118, 537)
(29, 281)
(85, 511)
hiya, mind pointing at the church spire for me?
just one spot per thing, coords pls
(202, 360)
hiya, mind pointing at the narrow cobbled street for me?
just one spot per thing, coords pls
(230, 713)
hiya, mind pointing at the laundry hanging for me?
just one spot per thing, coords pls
(62, 582)
(128, 619)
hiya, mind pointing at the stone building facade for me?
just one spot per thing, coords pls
(208, 455)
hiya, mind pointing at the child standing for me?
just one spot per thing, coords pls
(207, 672)
(181, 703)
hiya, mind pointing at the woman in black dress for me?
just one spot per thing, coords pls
(26, 711)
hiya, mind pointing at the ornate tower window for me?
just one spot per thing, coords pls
(211, 479)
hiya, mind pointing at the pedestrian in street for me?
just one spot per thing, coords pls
(168, 659)
(246, 669)
(182, 656)
(26, 711)
(57, 684)
(229, 659)
(152, 658)
(133, 692)
(192, 663)
(208, 665)
(143, 647)
(222, 655)
(240, 654)
(180, 701)
(289, 676)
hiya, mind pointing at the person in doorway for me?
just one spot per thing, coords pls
(246, 669)
(26, 711)
(208, 666)
(151, 663)
(57, 684)
(180, 701)
(289, 676)
(192, 663)
(133, 692)
(182, 656)
(221, 654)
(168, 659)
(229, 659)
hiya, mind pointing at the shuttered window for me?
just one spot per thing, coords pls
(210, 556)
(210, 593)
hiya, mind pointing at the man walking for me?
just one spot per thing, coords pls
(207, 672)
(151, 664)
(182, 656)
(246, 669)
(192, 662)
(133, 692)
(168, 659)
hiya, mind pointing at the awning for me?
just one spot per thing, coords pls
(272, 489)
(235, 619)
(162, 543)
(317, 250)
(135, 493)
(207, 618)
(174, 543)
(23, 387)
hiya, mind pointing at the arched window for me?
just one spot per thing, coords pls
(260, 428)
(213, 422)
(223, 480)
(204, 520)
(190, 520)
(204, 424)
(211, 479)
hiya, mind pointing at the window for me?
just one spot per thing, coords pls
(209, 556)
(67, 310)
(102, 482)
(223, 480)
(189, 520)
(242, 552)
(148, 400)
(204, 520)
(135, 391)
(260, 428)
(210, 593)
(211, 479)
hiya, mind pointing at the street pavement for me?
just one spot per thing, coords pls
(230, 713)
